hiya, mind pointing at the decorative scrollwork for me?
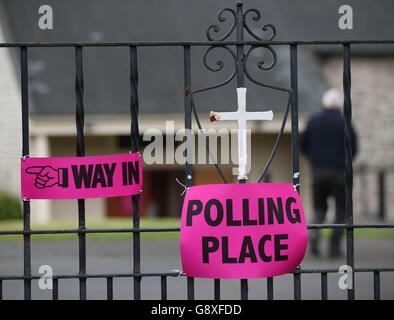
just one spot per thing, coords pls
(256, 16)
(222, 18)
(219, 66)
(219, 63)
(261, 63)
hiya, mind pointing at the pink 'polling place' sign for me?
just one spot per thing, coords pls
(81, 177)
(238, 231)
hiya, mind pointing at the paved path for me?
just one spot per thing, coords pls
(107, 256)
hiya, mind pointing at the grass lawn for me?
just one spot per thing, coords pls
(145, 223)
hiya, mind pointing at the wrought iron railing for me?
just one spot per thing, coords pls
(239, 50)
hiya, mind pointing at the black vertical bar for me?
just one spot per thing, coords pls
(25, 153)
(188, 125)
(217, 289)
(294, 142)
(134, 141)
(163, 288)
(80, 123)
(240, 84)
(244, 289)
(297, 286)
(110, 288)
(1, 290)
(55, 289)
(376, 285)
(270, 288)
(134, 103)
(190, 288)
(25, 102)
(324, 293)
(382, 195)
(347, 110)
(294, 116)
(240, 47)
(188, 116)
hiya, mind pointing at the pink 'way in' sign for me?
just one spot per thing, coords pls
(81, 177)
(239, 231)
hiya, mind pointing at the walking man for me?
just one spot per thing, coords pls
(323, 144)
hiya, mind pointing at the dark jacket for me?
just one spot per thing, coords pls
(323, 140)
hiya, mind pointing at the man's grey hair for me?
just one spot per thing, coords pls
(332, 99)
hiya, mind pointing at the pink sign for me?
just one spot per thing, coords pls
(240, 231)
(81, 177)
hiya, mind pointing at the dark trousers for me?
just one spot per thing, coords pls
(326, 184)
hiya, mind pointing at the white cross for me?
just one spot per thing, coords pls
(242, 116)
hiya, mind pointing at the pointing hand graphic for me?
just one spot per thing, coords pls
(47, 176)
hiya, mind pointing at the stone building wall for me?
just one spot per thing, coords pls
(10, 122)
(373, 119)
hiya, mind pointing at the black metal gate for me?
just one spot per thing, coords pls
(240, 51)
